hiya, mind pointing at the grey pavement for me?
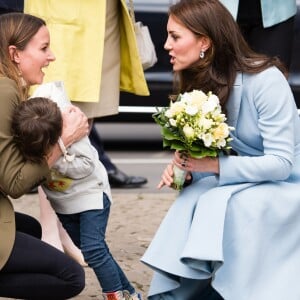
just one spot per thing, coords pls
(135, 216)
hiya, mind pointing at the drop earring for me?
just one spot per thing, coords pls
(22, 80)
(202, 54)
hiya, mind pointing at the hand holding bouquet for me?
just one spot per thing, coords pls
(194, 124)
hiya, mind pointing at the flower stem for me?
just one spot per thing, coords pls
(179, 178)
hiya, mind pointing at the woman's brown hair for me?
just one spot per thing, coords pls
(16, 29)
(229, 52)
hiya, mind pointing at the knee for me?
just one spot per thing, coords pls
(78, 279)
(97, 255)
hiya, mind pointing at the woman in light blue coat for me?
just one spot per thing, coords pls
(234, 232)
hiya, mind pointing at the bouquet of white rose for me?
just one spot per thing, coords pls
(194, 124)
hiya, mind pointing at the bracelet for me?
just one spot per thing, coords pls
(67, 157)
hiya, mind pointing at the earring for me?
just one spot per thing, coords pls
(202, 54)
(22, 80)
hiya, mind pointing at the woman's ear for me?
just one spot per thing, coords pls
(14, 54)
(206, 43)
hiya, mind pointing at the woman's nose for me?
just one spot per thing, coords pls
(167, 45)
(51, 56)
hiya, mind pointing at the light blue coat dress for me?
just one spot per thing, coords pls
(241, 228)
(273, 11)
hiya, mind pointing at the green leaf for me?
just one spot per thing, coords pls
(173, 144)
(168, 133)
(177, 145)
(203, 153)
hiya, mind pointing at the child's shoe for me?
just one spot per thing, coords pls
(134, 296)
(113, 296)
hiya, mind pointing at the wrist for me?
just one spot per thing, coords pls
(187, 182)
(67, 141)
(67, 156)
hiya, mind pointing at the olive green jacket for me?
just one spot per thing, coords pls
(16, 175)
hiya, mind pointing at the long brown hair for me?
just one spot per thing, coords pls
(229, 52)
(16, 29)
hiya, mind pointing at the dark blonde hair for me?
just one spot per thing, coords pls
(16, 29)
(36, 126)
(229, 52)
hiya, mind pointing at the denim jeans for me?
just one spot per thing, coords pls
(87, 230)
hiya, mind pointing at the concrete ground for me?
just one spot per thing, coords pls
(134, 218)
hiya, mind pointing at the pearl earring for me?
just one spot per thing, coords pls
(202, 54)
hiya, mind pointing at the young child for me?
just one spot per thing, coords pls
(79, 190)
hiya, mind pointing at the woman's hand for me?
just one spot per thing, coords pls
(185, 162)
(204, 164)
(166, 177)
(75, 125)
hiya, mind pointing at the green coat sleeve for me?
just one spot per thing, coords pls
(17, 176)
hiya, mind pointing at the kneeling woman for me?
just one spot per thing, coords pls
(233, 233)
(29, 268)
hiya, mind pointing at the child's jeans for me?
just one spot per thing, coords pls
(87, 230)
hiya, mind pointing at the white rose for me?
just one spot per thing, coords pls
(188, 131)
(221, 143)
(177, 107)
(217, 114)
(169, 113)
(191, 110)
(195, 97)
(208, 106)
(205, 123)
(207, 139)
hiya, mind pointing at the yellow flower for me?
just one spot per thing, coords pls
(195, 123)
(221, 132)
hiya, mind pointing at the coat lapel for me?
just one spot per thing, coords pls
(234, 101)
